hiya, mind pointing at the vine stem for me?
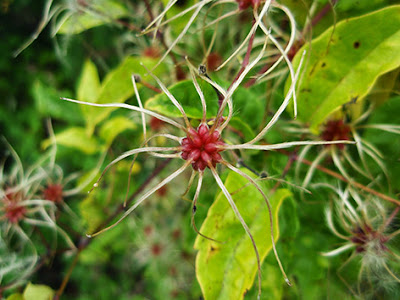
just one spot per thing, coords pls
(320, 15)
(392, 216)
(344, 179)
(69, 272)
(246, 58)
(292, 159)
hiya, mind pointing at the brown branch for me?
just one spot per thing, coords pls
(292, 159)
(320, 15)
(344, 179)
(149, 10)
(150, 86)
(246, 58)
(68, 275)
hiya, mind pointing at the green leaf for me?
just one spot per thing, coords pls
(88, 90)
(92, 212)
(384, 87)
(16, 296)
(117, 86)
(102, 248)
(248, 106)
(77, 138)
(185, 93)
(179, 24)
(243, 127)
(113, 127)
(344, 65)
(99, 12)
(227, 270)
(48, 103)
(38, 292)
(89, 83)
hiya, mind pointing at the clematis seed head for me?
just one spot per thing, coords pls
(202, 146)
(336, 130)
(54, 193)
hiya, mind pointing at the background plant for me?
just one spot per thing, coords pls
(349, 67)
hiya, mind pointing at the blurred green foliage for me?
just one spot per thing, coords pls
(90, 50)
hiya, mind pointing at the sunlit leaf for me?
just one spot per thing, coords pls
(77, 138)
(89, 83)
(17, 296)
(227, 270)
(38, 292)
(343, 66)
(113, 127)
(88, 90)
(99, 12)
(117, 86)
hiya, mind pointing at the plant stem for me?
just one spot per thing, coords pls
(69, 272)
(150, 86)
(320, 15)
(246, 58)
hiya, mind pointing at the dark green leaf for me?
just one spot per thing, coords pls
(247, 105)
(48, 103)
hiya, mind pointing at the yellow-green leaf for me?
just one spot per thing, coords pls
(92, 212)
(227, 270)
(89, 83)
(38, 292)
(88, 90)
(77, 138)
(99, 12)
(16, 296)
(117, 86)
(113, 127)
(343, 65)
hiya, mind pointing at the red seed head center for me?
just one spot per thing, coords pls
(202, 147)
(366, 237)
(336, 130)
(54, 193)
(14, 212)
(244, 4)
